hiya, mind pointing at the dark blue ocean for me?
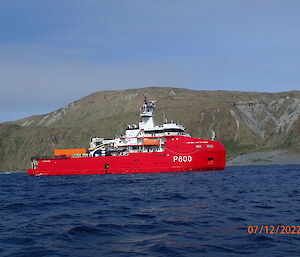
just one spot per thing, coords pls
(162, 214)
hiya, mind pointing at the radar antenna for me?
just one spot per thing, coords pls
(145, 99)
(213, 135)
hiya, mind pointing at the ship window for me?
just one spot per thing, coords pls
(210, 159)
(173, 130)
(198, 146)
(210, 146)
(154, 131)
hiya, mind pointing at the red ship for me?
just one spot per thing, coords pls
(145, 148)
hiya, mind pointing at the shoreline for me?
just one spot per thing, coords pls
(276, 157)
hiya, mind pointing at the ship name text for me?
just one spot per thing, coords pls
(182, 158)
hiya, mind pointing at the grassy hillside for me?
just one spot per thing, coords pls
(244, 121)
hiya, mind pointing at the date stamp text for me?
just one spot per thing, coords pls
(277, 229)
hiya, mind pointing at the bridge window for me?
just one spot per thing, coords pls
(173, 130)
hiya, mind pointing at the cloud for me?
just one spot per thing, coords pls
(53, 52)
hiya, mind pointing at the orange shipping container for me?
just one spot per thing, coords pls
(151, 142)
(69, 152)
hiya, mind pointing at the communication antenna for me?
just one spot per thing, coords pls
(213, 135)
(164, 115)
(145, 98)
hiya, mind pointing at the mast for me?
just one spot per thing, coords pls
(146, 114)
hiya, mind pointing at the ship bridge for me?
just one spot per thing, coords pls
(136, 138)
(147, 127)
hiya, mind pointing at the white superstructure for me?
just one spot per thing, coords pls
(146, 137)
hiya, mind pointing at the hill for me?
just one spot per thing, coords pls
(244, 121)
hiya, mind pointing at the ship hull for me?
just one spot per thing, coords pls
(133, 163)
(181, 154)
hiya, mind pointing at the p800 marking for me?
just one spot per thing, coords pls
(182, 158)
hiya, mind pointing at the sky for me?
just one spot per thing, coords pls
(54, 52)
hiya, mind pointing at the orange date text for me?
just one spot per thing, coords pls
(270, 229)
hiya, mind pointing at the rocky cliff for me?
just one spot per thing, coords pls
(244, 121)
